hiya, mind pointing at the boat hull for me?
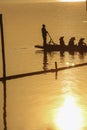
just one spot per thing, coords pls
(62, 48)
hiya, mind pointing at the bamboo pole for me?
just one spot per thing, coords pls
(56, 70)
(4, 73)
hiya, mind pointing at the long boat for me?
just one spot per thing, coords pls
(56, 47)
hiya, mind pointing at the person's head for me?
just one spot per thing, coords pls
(72, 39)
(43, 25)
(81, 39)
(61, 38)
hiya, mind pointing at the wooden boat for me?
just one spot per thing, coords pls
(56, 47)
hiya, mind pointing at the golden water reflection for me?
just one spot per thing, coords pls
(69, 116)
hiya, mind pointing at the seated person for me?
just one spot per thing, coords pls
(62, 43)
(71, 41)
(81, 42)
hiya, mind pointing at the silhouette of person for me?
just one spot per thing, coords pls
(62, 43)
(81, 42)
(44, 34)
(71, 41)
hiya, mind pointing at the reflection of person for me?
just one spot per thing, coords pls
(44, 34)
(45, 61)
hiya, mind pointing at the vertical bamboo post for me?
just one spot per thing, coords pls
(56, 65)
(56, 69)
(86, 5)
(4, 73)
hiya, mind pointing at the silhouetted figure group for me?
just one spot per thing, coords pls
(71, 42)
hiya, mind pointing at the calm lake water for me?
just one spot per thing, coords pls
(42, 102)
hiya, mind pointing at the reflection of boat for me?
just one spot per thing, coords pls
(55, 47)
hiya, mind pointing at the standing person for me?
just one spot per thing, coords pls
(44, 34)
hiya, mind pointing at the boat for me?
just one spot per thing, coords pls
(56, 47)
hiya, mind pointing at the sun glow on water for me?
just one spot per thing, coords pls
(70, 64)
(69, 115)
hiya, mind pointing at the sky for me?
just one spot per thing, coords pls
(34, 1)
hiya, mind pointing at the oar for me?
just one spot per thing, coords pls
(51, 38)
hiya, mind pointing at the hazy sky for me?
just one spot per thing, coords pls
(27, 1)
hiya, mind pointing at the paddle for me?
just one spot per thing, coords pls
(51, 40)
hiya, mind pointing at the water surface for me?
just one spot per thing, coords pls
(43, 101)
